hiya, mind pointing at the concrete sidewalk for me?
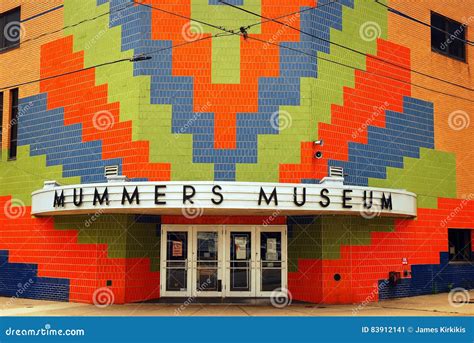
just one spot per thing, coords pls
(429, 305)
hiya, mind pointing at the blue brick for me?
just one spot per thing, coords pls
(21, 280)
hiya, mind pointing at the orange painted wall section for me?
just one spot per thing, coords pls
(23, 64)
(417, 38)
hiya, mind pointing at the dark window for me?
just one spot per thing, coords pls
(1, 122)
(448, 37)
(459, 244)
(13, 124)
(10, 29)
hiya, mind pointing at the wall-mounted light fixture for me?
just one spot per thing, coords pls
(319, 142)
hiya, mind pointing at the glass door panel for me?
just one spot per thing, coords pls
(271, 262)
(240, 261)
(207, 262)
(176, 262)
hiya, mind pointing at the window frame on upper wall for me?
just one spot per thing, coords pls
(449, 31)
(6, 44)
(2, 97)
(13, 124)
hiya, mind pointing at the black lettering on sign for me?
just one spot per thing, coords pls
(219, 194)
(59, 199)
(135, 196)
(324, 192)
(295, 197)
(158, 195)
(368, 206)
(186, 196)
(273, 196)
(345, 198)
(77, 203)
(99, 199)
(386, 202)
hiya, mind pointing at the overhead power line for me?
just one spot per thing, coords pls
(183, 16)
(229, 32)
(359, 69)
(70, 26)
(404, 15)
(293, 13)
(346, 47)
(306, 53)
(64, 74)
(137, 58)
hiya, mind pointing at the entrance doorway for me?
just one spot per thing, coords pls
(223, 261)
(460, 245)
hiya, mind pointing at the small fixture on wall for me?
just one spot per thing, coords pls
(112, 174)
(319, 142)
(111, 170)
(336, 171)
(318, 155)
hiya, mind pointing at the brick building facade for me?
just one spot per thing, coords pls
(232, 97)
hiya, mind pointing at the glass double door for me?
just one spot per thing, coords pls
(223, 261)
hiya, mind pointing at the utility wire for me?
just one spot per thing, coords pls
(245, 35)
(69, 26)
(64, 74)
(404, 15)
(230, 32)
(136, 58)
(292, 14)
(359, 69)
(184, 17)
(346, 47)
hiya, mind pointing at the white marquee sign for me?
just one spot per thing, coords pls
(222, 198)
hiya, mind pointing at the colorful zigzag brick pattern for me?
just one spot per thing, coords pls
(234, 109)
